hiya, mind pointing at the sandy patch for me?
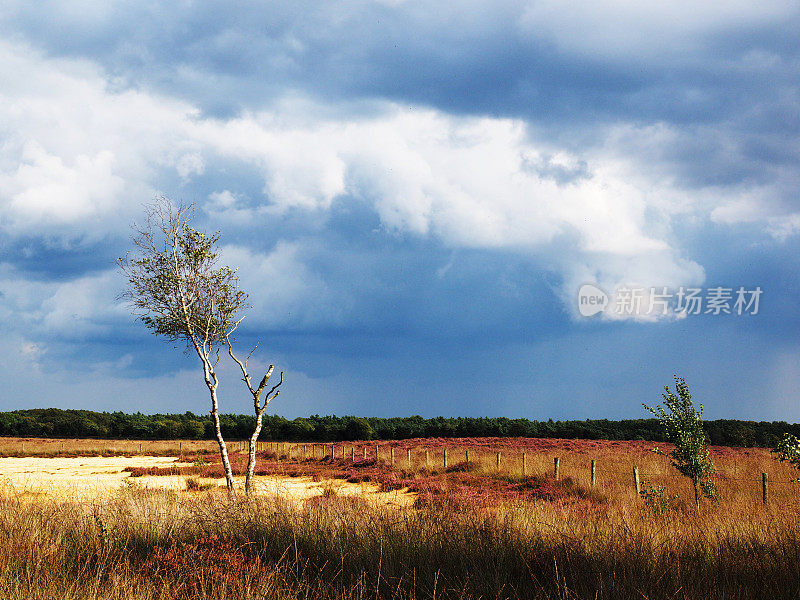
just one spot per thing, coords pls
(92, 477)
(76, 477)
(303, 488)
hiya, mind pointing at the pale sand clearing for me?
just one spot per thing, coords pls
(92, 477)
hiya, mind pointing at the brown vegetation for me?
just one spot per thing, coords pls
(474, 532)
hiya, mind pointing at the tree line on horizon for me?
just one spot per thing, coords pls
(58, 423)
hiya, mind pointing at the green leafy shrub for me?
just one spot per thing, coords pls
(683, 426)
(655, 499)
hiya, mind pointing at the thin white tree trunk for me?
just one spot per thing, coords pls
(223, 449)
(251, 458)
(211, 383)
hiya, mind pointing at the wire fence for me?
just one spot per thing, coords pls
(512, 462)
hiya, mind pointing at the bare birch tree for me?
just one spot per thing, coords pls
(259, 404)
(179, 291)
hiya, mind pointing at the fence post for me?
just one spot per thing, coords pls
(444, 459)
(365, 452)
(467, 455)
(391, 455)
(556, 467)
(376, 452)
(594, 465)
(636, 480)
(764, 488)
(427, 458)
(408, 456)
(498, 461)
(524, 466)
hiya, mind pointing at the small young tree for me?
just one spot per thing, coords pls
(788, 450)
(178, 290)
(683, 426)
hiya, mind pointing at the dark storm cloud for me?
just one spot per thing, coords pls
(432, 315)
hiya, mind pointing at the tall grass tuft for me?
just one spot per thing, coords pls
(148, 544)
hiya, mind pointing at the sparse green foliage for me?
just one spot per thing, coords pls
(655, 499)
(788, 450)
(709, 490)
(683, 427)
(175, 283)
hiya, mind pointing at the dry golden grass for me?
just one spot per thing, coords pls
(83, 447)
(141, 544)
(135, 542)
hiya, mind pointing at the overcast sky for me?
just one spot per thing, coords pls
(413, 192)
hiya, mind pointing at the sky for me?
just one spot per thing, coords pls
(422, 199)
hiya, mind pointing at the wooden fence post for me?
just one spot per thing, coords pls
(427, 458)
(556, 467)
(444, 458)
(365, 452)
(376, 452)
(498, 461)
(764, 488)
(408, 456)
(594, 465)
(467, 455)
(524, 466)
(636, 480)
(391, 455)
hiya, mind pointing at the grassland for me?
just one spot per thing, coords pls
(473, 531)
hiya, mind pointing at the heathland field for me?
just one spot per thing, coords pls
(421, 518)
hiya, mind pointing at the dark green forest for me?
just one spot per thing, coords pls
(53, 422)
